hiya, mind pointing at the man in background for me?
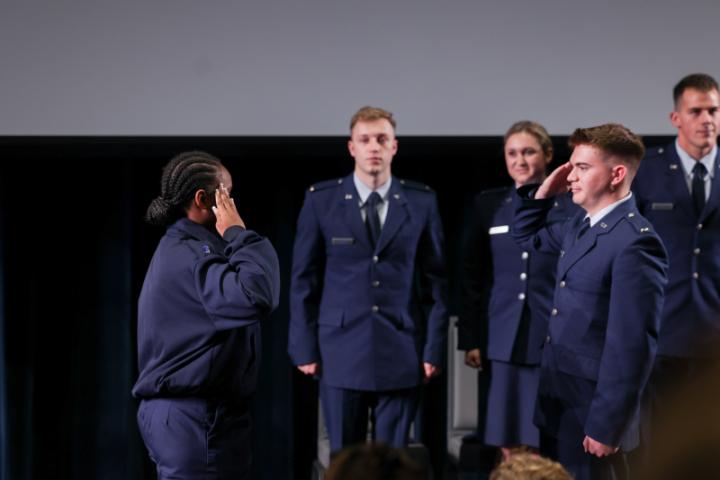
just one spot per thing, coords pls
(677, 191)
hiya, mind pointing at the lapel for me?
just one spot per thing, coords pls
(396, 215)
(348, 200)
(583, 245)
(713, 201)
(675, 183)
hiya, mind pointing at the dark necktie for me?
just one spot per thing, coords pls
(584, 227)
(373, 217)
(698, 186)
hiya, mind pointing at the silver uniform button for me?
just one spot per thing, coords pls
(524, 255)
(699, 227)
(376, 259)
(375, 308)
(554, 312)
(696, 251)
(376, 283)
(521, 296)
(547, 339)
(562, 283)
(696, 275)
(523, 276)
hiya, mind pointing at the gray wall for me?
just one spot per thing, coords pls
(302, 67)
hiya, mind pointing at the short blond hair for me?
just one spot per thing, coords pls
(529, 466)
(370, 114)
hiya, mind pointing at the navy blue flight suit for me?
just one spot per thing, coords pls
(507, 295)
(602, 330)
(198, 348)
(369, 316)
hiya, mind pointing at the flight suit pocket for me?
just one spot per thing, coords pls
(331, 316)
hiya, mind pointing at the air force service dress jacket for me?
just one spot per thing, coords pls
(690, 325)
(603, 325)
(370, 315)
(507, 291)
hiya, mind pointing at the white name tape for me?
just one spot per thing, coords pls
(499, 229)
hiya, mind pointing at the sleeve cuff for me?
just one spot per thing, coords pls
(232, 232)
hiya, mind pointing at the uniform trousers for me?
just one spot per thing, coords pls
(559, 406)
(346, 415)
(582, 465)
(196, 438)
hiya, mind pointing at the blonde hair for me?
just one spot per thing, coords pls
(370, 114)
(529, 466)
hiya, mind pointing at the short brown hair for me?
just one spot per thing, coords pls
(529, 466)
(534, 129)
(370, 114)
(697, 81)
(374, 461)
(613, 139)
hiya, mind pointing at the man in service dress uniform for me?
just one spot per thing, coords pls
(606, 309)
(368, 313)
(677, 191)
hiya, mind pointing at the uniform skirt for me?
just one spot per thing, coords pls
(511, 404)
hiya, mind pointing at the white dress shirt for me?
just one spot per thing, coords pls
(364, 192)
(688, 164)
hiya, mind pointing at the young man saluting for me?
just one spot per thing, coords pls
(608, 297)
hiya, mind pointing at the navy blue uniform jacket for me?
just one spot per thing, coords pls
(690, 325)
(603, 324)
(370, 316)
(506, 291)
(198, 313)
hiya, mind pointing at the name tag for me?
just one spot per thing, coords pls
(661, 206)
(499, 229)
(342, 240)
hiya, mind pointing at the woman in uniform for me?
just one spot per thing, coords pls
(507, 295)
(209, 284)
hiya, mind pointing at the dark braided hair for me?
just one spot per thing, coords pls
(184, 175)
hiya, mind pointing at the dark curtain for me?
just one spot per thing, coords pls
(73, 254)
(4, 434)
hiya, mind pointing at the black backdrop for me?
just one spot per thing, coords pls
(74, 252)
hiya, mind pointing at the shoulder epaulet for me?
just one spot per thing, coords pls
(655, 151)
(325, 185)
(495, 191)
(415, 185)
(640, 223)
